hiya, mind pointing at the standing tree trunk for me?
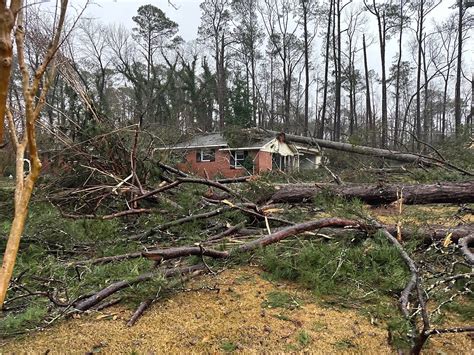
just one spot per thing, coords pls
(368, 105)
(326, 72)
(337, 70)
(221, 80)
(382, 33)
(397, 80)
(471, 120)
(33, 87)
(419, 38)
(427, 119)
(379, 11)
(457, 98)
(306, 67)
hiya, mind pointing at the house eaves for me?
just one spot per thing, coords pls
(192, 147)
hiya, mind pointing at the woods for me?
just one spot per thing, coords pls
(327, 144)
(272, 66)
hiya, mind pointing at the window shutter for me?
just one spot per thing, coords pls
(213, 156)
(198, 156)
(232, 161)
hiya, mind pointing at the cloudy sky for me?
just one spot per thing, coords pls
(187, 14)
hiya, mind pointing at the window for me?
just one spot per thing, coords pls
(205, 155)
(237, 159)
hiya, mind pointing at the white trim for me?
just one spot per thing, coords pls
(236, 161)
(201, 152)
(241, 148)
(191, 147)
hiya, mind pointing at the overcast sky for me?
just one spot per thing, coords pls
(187, 14)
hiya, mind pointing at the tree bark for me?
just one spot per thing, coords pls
(7, 20)
(326, 73)
(419, 39)
(306, 67)
(397, 80)
(368, 105)
(457, 98)
(462, 192)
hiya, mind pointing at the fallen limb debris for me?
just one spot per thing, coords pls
(434, 233)
(172, 253)
(460, 192)
(107, 259)
(141, 308)
(109, 216)
(297, 229)
(99, 296)
(160, 255)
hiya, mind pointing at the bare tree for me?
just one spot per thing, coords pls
(403, 20)
(278, 22)
(385, 14)
(326, 70)
(215, 19)
(306, 9)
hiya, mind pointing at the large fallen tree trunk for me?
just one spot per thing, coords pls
(383, 153)
(460, 192)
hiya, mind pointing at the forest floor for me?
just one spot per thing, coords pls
(239, 309)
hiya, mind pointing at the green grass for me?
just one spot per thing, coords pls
(319, 326)
(14, 323)
(228, 347)
(344, 344)
(279, 299)
(304, 339)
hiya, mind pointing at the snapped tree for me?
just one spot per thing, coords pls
(23, 135)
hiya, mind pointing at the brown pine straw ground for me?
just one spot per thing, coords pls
(235, 318)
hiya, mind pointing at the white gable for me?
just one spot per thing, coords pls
(275, 146)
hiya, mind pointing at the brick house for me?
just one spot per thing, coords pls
(210, 155)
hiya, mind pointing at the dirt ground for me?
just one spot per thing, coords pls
(237, 318)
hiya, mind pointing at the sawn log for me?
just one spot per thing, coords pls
(376, 194)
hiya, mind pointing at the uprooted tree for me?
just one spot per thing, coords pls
(22, 120)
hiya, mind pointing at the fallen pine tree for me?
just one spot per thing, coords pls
(376, 194)
(378, 152)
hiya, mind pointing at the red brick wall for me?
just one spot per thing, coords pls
(219, 167)
(263, 162)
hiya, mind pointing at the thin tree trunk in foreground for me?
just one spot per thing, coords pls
(35, 90)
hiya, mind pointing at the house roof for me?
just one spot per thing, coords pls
(217, 140)
(203, 141)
